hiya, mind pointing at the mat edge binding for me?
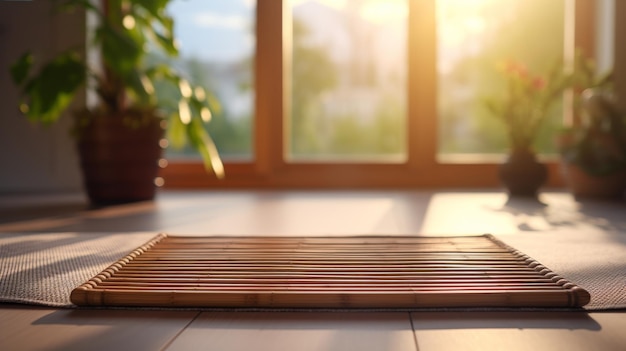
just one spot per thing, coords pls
(83, 295)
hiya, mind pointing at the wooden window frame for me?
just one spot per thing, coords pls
(421, 169)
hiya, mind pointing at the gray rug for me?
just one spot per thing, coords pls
(42, 269)
(595, 261)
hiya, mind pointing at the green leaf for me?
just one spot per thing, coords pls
(167, 43)
(184, 111)
(214, 104)
(196, 105)
(211, 156)
(168, 24)
(160, 71)
(139, 85)
(120, 51)
(202, 142)
(154, 7)
(21, 68)
(176, 132)
(51, 91)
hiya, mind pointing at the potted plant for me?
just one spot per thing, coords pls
(523, 107)
(120, 138)
(593, 149)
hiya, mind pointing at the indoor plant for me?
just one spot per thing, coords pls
(129, 37)
(593, 148)
(524, 106)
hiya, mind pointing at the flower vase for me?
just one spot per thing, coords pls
(522, 174)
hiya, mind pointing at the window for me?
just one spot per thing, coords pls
(474, 38)
(216, 40)
(290, 147)
(348, 74)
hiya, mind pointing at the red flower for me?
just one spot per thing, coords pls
(516, 69)
(539, 83)
(527, 100)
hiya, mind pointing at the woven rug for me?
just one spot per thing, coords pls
(44, 269)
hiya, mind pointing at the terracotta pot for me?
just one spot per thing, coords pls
(120, 163)
(583, 185)
(522, 174)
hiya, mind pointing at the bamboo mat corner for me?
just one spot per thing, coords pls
(328, 272)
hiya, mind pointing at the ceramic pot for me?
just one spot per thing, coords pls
(119, 163)
(522, 174)
(583, 185)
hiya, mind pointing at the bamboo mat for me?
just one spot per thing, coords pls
(328, 272)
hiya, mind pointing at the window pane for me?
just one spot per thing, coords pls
(474, 37)
(217, 51)
(349, 69)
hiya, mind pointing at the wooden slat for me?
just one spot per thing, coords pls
(328, 272)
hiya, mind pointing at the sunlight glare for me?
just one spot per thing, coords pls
(374, 11)
(381, 12)
(463, 18)
(463, 24)
(184, 112)
(336, 4)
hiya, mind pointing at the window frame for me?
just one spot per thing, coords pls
(269, 169)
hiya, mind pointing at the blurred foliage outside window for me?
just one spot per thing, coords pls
(349, 76)
(217, 51)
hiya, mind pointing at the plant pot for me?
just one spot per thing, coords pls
(584, 185)
(120, 163)
(522, 174)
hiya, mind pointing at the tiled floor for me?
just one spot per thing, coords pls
(315, 213)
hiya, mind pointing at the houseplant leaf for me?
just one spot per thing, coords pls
(155, 7)
(202, 142)
(51, 91)
(134, 78)
(176, 132)
(21, 68)
(120, 52)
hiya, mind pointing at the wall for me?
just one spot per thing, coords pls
(620, 52)
(34, 158)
